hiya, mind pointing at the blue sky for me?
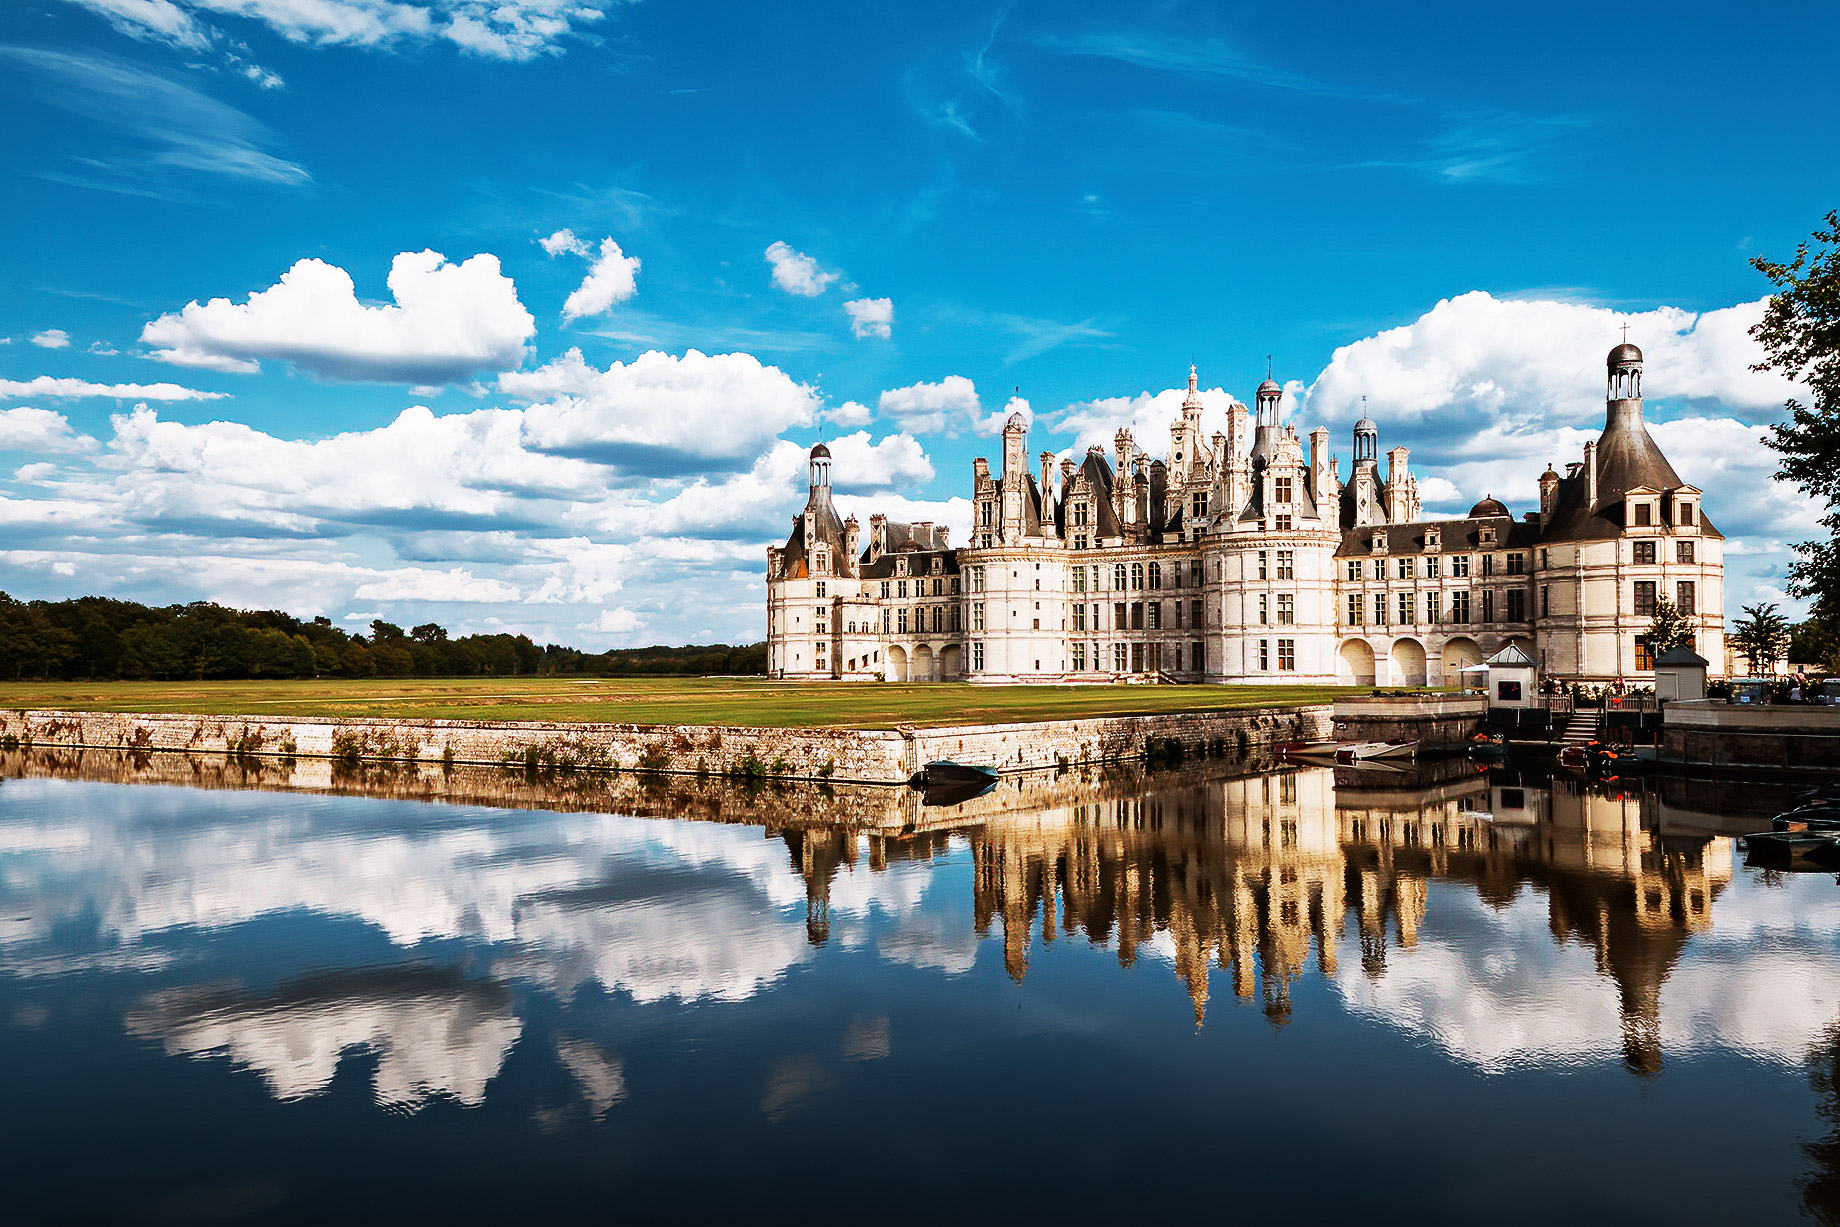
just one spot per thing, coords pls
(876, 221)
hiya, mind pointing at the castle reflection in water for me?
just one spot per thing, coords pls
(1239, 880)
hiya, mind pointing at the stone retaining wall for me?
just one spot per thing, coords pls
(1710, 733)
(844, 755)
(1440, 722)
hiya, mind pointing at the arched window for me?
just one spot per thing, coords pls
(1137, 575)
(1118, 577)
(1156, 575)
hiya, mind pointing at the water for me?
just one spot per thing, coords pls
(288, 995)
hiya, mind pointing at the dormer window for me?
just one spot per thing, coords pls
(1685, 515)
(1488, 536)
(900, 566)
(1378, 544)
(1645, 515)
(1432, 538)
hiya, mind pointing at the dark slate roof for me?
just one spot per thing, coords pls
(1098, 473)
(1456, 536)
(919, 563)
(826, 526)
(1627, 458)
(1682, 655)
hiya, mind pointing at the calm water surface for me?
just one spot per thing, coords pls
(1294, 995)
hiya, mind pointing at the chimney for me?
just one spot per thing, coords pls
(1590, 474)
(852, 545)
(1047, 473)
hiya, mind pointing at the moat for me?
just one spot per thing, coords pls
(272, 992)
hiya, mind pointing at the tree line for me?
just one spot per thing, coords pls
(100, 638)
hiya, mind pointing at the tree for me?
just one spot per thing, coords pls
(1762, 635)
(1800, 333)
(1817, 643)
(1669, 629)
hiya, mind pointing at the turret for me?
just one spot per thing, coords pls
(1549, 494)
(1015, 475)
(852, 542)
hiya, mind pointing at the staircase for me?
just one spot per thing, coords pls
(1581, 729)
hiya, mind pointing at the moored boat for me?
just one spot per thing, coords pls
(944, 771)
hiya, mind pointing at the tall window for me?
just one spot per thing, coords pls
(1459, 566)
(821, 588)
(977, 580)
(1405, 609)
(1685, 515)
(1156, 575)
(958, 617)
(1644, 515)
(1545, 600)
(885, 587)
(1194, 573)
(1137, 576)
(1079, 656)
(1488, 604)
(1287, 654)
(977, 617)
(1264, 609)
(1645, 655)
(900, 588)
(1686, 596)
(1121, 620)
(1119, 659)
(1262, 564)
(900, 621)
(1433, 566)
(1281, 489)
(1137, 615)
(939, 618)
(1264, 654)
(1118, 576)
(1517, 564)
(1287, 564)
(1156, 615)
(1643, 553)
(1488, 564)
(1079, 616)
(1079, 514)
(1683, 551)
(1404, 565)
(1517, 604)
(1354, 609)
(1355, 568)
(1287, 609)
(1079, 579)
(1459, 606)
(1197, 504)
(1194, 613)
(1431, 607)
(1645, 598)
(977, 655)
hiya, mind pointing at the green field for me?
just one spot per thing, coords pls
(754, 702)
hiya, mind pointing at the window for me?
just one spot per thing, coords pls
(1262, 562)
(977, 616)
(884, 621)
(1137, 658)
(1433, 538)
(1433, 567)
(1095, 657)
(1645, 657)
(1137, 576)
(1402, 567)
(1517, 564)
(1079, 656)
(1118, 577)
(1156, 615)
(1281, 490)
(1644, 553)
(1079, 542)
(1287, 564)
(1197, 505)
(1079, 514)
(1517, 604)
(1488, 564)
(1118, 658)
(1645, 515)
(1686, 514)
(1194, 573)
(1544, 562)
(1431, 607)
(939, 618)
(1545, 600)
(1379, 609)
(958, 617)
(1194, 613)
(900, 621)
(1156, 575)
(977, 655)
(820, 656)
(885, 590)
(1488, 604)
(821, 588)
(1264, 654)
(1685, 594)
(1079, 617)
(1264, 609)
(1459, 566)
(1459, 606)
(1281, 523)
(1355, 567)
(1287, 654)
(939, 585)
(1178, 613)
(1645, 598)
(1137, 615)
(1355, 609)
(977, 579)
(1406, 602)
(1197, 657)
(1079, 579)
(1287, 609)
(955, 585)
(1683, 551)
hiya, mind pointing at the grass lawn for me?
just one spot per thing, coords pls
(755, 702)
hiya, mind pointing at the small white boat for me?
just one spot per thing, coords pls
(1350, 751)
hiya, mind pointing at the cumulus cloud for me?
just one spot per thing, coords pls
(850, 413)
(39, 430)
(422, 584)
(615, 621)
(871, 317)
(448, 322)
(564, 240)
(797, 273)
(613, 278)
(1540, 361)
(490, 29)
(51, 338)
(925, 408)
(1147, 415)
(659, 410)
(50, 387)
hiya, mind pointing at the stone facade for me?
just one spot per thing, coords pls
(1246, 557)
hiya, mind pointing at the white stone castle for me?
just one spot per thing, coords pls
(1246, 558)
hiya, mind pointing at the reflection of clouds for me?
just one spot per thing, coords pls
(435, 1036)
(598, 1072)
(1491, 987)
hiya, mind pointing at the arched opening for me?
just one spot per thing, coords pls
(1357, 664)
(951, 662)
(1459, 654)
(922, 668)
(897, 664)
(1407, 663)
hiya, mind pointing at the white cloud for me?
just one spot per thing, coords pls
(850, 413)
(491, 29)
(1148, 416)
(565, 241)
(933, 408)
(422, 584)
(616, 621)
(1540, 361)
(660, 410)
(51, 338)
(47, 386)
(797, 273)
(871, 317)
(448, 322)
(39, 430)
(612, 279)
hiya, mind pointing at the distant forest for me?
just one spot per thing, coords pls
(96, 638)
